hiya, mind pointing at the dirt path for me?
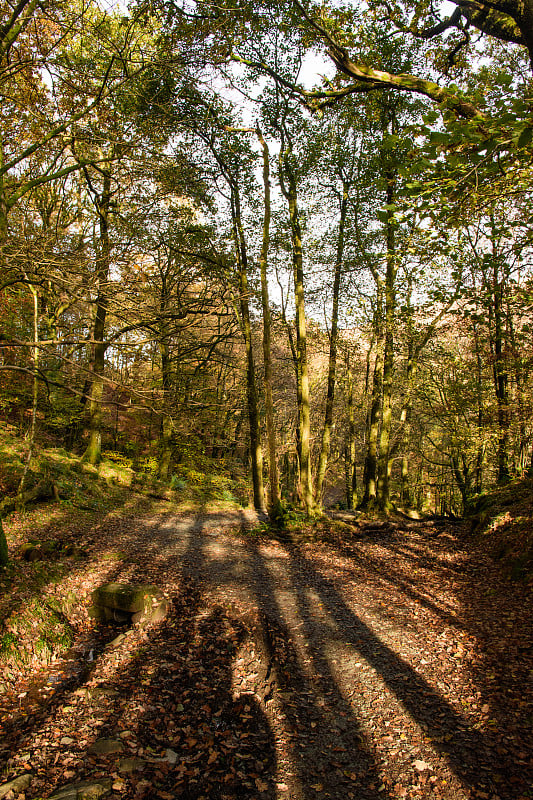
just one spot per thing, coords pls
(385, 664)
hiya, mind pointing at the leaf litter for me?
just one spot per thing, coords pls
(374, 662)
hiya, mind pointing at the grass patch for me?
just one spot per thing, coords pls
(36, 634)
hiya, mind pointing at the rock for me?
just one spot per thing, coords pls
(115, 615)
(129, 765)
(125, 603)
(30, 552)
(155, 614)
(116, 642)
(16, 786)
(125, 597)
(172, 757)
(86, 790)
(66, 740)
(142, 787)
(104, 747)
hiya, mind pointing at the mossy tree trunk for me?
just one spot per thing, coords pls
(35, 402)
(384, 463)
(292, 473)
(289, 189)
(165, 454)
(332, 362)
(256, 453)
(349, 460)
(275, 495)
(501, 377)
(370, 471)
(102, 204)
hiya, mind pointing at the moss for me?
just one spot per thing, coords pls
(4, 555)
(39, 632)
(502, 526)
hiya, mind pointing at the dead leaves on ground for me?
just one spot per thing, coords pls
(200, 706)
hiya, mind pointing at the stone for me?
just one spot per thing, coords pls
(155, 614)
(86, 790)
(17, 785)
(116, 642)
(129, 765)
(171, 756)
(126, 597)
(30, 552)
(115, 615)
(128, 603)
(97, 613)
(104, 747)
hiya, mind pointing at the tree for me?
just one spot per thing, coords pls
(506, 21)
(275, 495)
(35, 149)
(340, 143)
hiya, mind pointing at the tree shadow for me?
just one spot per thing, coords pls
(495, 617)
(328, 752)
(175, 706)
(169, 708)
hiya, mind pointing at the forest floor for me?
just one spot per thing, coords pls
(379, 660)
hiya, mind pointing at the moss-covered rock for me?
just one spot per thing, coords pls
(122, 602)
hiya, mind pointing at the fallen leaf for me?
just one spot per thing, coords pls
(421, 766)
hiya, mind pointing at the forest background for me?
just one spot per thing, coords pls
(203, 257)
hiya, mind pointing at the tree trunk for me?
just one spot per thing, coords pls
(35, 402)
(289, 189)
(400, 444)
(332, 364)
(93, 453)
(463, 480)
(521, 402)
(479, 399)
(383, 488)
(165, 441)
(350, 470)
(275, 496)
(501, 380)
(370, 473)
(251, 389)
(3, 205)
(165, 454)
(295, 490)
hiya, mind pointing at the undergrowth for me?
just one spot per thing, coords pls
(502, 526)
(34, 609)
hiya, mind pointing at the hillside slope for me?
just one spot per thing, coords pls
(502, 524)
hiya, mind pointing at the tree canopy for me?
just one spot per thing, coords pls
(297, 227)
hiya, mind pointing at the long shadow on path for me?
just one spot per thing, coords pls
(469, 752)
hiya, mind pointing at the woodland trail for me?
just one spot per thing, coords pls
(384, 663)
